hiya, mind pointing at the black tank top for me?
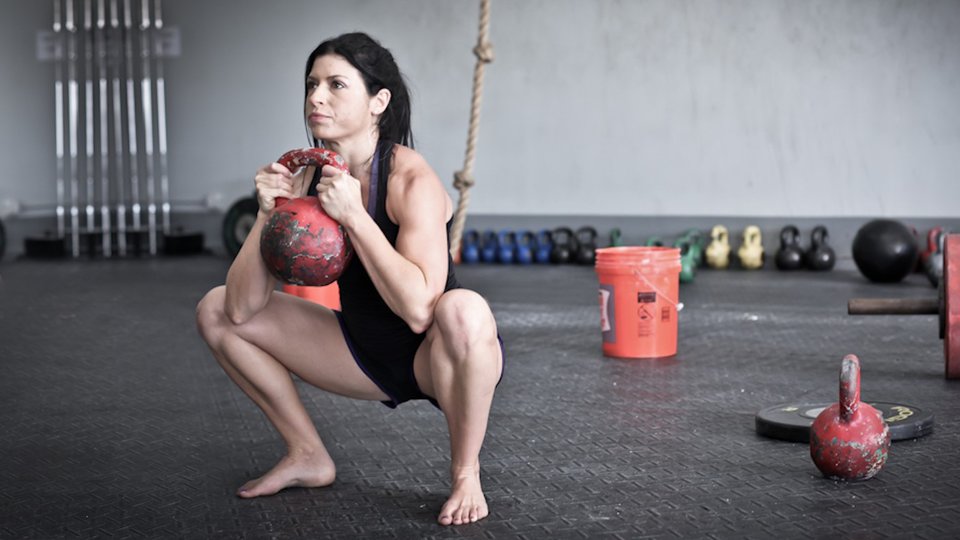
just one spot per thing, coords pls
(374, 327)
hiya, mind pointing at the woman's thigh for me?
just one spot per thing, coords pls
(307, 339)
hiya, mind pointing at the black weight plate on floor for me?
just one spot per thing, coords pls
(942, 312)
(237, 223)
(792, 421)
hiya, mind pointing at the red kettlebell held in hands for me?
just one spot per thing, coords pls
(300, 243)
(849, 440)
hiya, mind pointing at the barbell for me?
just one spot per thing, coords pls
(946, 306)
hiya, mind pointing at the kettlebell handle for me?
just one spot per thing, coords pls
(564, 236)
(303, 157)
(789, 235)
(849, 387)
(720, 234)
(933, 238)
(818, 236)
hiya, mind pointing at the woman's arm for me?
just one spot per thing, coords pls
(249, 283)
(412, 275)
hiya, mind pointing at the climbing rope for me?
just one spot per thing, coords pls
(463, 179)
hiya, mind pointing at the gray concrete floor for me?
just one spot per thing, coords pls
(117, 423)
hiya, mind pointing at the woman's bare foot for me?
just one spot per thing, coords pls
(294, 470)
(466, 503)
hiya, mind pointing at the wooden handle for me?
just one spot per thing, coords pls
(893, 306)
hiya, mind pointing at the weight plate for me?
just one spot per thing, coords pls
(237, 223)
(951, 305)
(942, 312)
(792, 421)
(45, 248)
(181, 243)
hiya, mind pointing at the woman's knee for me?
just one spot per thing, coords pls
(463, 322)
(210, 314)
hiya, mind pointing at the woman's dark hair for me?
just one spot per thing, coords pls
(379, 70)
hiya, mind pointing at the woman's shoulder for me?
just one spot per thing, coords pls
(406, 159)
(414, 182)
(410, 167)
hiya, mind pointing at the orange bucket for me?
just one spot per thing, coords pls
(639, 299)
(328, 295)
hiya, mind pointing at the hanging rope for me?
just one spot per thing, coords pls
(463, 179)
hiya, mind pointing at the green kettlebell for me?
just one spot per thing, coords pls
(695, 237)
(688, 264)
(616, 237)
(654, 241)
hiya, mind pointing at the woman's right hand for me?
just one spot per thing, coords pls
(272, 181)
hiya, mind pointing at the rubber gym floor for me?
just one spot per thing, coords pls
(117, 423)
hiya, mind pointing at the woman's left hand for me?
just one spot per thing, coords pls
(339, 194)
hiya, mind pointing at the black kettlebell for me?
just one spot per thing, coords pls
(587, 238)
(564, 245)
(934, 262)
(820, 256)
(790, 255)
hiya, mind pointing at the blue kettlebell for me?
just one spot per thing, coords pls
(470, 247)
(507, 241)
(488, 247)
(544, 244)
(526, 241)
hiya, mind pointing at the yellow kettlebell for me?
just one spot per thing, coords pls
(751, 250)
(718, 252)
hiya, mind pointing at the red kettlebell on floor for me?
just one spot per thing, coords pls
(301, 244)
(849, 440)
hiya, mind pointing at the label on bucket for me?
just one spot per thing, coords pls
(608, 324)
(646, 308)
(646, 297)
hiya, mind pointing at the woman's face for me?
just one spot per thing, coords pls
(337, 104)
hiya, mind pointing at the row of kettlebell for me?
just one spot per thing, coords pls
(716, 254)
(750, 253)
(789, 256)
(558, 246)
(818, 256)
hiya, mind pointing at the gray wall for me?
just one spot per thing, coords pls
(772, 108)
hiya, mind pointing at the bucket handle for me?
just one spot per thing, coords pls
(641, 277)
